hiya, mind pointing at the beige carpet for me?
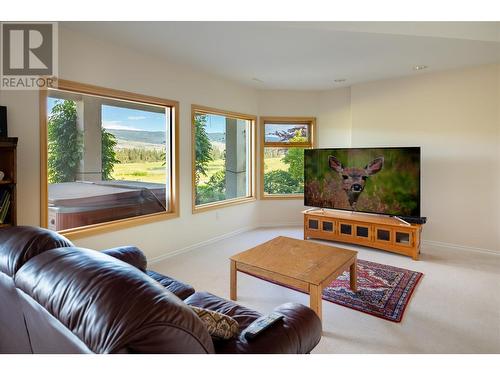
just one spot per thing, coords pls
(455, 308)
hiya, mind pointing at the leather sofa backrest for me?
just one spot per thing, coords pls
(106, 304)
(17, 246)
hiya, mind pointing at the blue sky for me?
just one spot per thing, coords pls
(132, 119)
(126, 119)
(216, 124)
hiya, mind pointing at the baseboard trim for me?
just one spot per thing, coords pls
(200, 244)
(210, 241)
(451, 246)
(279, 225)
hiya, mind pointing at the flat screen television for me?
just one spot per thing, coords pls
(374, 180)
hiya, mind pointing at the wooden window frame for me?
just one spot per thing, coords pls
(195, 108)
(94, 229)
(311, 121)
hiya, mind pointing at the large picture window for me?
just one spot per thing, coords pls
(110, 158)
(223, 165)
(283, 141)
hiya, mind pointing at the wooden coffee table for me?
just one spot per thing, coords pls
(302, 265)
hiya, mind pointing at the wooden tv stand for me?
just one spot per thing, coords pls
(376, 231)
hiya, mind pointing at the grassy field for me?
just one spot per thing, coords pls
(272, 164)
(212, 168)
(145, 172)
(155, 172)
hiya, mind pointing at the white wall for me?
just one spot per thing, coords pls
(453, 115)
(498, 151)
(334, 117)
(90, 61)
(290, 104)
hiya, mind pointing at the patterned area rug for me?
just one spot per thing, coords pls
(383, 291)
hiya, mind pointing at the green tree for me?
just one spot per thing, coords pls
(280, 182)
(217, 153)
(65, 146)
(203, 147)
(214, 190)
(108, 154)
(295, 159)
(206, 194)
(135, 155)
(218, 181)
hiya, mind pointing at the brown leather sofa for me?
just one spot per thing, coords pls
(57, 298)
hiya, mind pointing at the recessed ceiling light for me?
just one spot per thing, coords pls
(339, 80)
(420, 67)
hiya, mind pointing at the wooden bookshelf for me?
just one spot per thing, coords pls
(8, 165)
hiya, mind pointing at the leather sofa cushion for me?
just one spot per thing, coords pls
(129, 254)
(177, 287)
(19, 244)
(135, 257)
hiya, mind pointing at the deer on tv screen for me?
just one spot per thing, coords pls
(376, 180)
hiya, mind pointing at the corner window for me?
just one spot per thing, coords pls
(110, 158)
(223, 144)
(283, 141)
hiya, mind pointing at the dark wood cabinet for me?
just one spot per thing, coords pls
(8, 165)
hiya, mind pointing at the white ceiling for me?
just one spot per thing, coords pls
(306, 55)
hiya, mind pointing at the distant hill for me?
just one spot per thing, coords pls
(217, 137)
(153, 138)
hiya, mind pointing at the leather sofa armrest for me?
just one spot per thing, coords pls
(177, 287)
(298, 333)
(300, 325)
(129, 254)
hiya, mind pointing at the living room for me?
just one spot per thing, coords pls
(373, 86)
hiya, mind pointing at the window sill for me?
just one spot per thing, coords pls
(226, 203)
(92, 230)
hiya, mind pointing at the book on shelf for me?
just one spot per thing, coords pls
(4, 197)
(4, 205)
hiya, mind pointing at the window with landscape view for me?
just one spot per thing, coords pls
(107, 159)
(283, 144)
(222, 157)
